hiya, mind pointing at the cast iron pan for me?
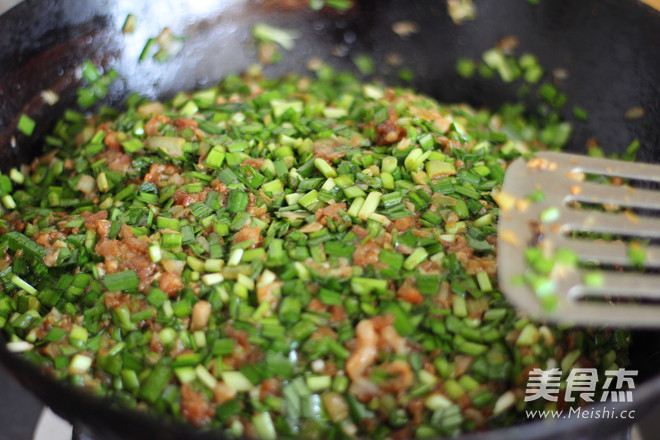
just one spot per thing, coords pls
(608, 47)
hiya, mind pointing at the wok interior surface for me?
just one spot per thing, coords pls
(608, 47)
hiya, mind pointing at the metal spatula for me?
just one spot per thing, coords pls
(549, 202)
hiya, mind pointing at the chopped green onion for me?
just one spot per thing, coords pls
(121, 281)
(418, 256)
(26, 125)
(284, 38)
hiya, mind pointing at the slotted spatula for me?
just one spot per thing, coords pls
(561, 216)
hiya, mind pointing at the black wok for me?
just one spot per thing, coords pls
(610, 49)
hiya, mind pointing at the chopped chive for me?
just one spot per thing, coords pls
(215, 157)
(325, 168)
(418, 256)
(132, 145)
(484, 282)
(370, 205)
(156, 382)
(263, 424)
(121, 281)
(593, 279)
(16, 280)
(17, 240)
(26, 125)
(236, 381)
(550, 215)
(465, 67)
(636, 254)
(284, 38)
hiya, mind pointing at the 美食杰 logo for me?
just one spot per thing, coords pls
(581, 384)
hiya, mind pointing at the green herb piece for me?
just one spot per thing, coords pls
(129, 24)
(26, 124)
(121, 281)
(285, 38)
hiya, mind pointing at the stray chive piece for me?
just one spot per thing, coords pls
(340, 5)
(285, 38)
(365, 64)
(129, 24)
(26, 124)
(550, 215)
(580, 113)
(465, 67)
(636, 254)
(593, 279)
